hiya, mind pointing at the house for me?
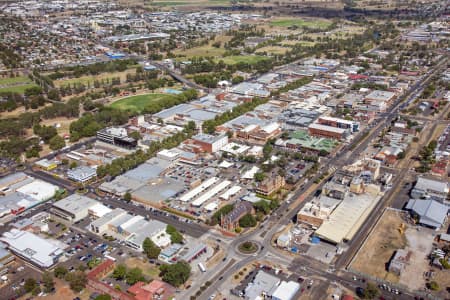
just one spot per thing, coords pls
(430, 213)
(156, 289)
(231, 220)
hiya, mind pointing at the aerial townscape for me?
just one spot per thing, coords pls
(224, 149)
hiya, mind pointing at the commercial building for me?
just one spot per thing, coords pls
(263, 285)
(210, 143)
(429, 212)
(46, 164)
(133, 230)
(6, 258)
(316, 129)
(40, 252)
(76, 207)
(270, 185)
(82, 174)
(116, 136)
(302, 141)
(339, 123)
(286, 291)
(19, 192)
(427, 188)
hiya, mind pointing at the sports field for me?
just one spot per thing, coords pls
(89, 79)
(139, 102)
(249, 59)
(289, 22)
(16, 84)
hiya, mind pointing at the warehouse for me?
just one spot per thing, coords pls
(77, 207)
(286, 291)
(40, 252)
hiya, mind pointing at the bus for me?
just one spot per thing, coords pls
(110, 257)
(201, 267)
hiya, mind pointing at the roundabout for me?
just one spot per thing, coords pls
(248, 247)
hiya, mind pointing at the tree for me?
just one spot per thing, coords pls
(371, 291)
(247, 220)
(401, 155)
(30, 284)
(73, 165)
(77, 281)
(120, 272)
(259, 176)
(135, 135)
(176, 274)
(48, 282)
(150, 249)
(103, 297)
(56, 142)
(433, 285)
(134, 275)
(175, 236)
(127, 197)
(60, 272)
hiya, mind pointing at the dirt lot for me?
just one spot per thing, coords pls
(148, 269)
(380, 246)
(420, 242)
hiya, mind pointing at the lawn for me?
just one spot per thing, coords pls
(249, 59)
(139, 102)
(14, 80)
(149, 270)
(17, 88)
(315, 23)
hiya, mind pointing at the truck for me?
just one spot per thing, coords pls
(201, 267)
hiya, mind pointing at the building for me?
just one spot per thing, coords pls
(399, 261)
(82, 174)
(77, 207)
(270, 185)
(193, 252)
(339, 123)
(302, 141)
(427, 188)
(46, 164)
(263, 285)
(210, 143)
(429, 213)
(156, 289)
(116, 136)
(41, 252)
(6, 258)
(286, 291)
(231, 220)
(325, 131)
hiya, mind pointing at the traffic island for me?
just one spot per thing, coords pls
(248, 247)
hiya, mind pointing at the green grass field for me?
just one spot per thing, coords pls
(14, 80)
(139, 102)
(249, 59)
(320, 24)
(17, 88)
(91, 78)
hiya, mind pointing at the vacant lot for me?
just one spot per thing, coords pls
(149, 270)
(385, 239)
(273, 50)
(138, 103)
(206, 50)
(89, 79)
(250, 59)
(297, 22)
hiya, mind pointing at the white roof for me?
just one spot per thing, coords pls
(99, 210)
(76, 203)
(327, 128)
(250, 128)
(338, 120)
(250, 174)
(271, 127)
(211, 206)
(194, 192)
(225, 164)
(210, 193)
(168, 153)
(235, 189)
(286, 290)
(34, 248)
(39, 190)
(347, 218)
